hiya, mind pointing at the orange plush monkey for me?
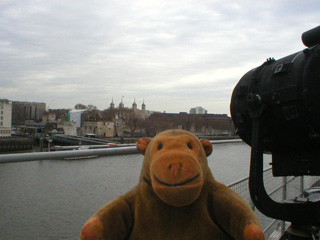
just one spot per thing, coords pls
(176, 198)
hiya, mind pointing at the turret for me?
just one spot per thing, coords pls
(134, 106)
(112, 104)
(143, 107)
(121, 105)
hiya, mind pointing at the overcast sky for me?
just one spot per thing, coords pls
(173, 54)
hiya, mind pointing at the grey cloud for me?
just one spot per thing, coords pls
(91, 51)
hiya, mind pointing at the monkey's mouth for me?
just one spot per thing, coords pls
(176, 184)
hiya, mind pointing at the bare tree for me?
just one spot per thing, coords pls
(94, 115)
(80, 106)
(108, 114)
(91, 107)
(132, 122)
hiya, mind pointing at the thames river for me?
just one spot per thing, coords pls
(53, 199)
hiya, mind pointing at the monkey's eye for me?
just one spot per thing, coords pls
(160, 146)
(189, 145)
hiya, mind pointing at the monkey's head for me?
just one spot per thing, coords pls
(175, 163)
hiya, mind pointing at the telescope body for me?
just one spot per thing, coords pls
(276, 109)
(286, 92)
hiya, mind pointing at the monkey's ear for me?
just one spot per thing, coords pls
(142, 144)
(207, 146)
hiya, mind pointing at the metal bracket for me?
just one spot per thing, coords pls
(296, 212)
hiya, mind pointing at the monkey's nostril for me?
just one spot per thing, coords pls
(175, 165)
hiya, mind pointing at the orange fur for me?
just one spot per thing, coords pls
(253, 232)
(93, 229)
(176, 198)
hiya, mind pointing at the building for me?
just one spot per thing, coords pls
(198, 110)
(121, 112)
(199, 124)
(125, 119)
(49, 116)
(5, 117)
(23, 111)
(76, 116)
(99, 128)
(80, 116)
(142, 114)
(55, 115)
(69, 128)
(33, 128)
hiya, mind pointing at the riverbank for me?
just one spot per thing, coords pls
(14, 144)
(23, 145)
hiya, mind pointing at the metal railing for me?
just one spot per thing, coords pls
(279, 189)
(121, 149)
(36, 156)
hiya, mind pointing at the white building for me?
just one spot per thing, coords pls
(76, 116)
(198, 110)
(5, 117)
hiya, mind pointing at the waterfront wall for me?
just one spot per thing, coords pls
(15, 144)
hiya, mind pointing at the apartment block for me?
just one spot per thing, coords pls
(198, 110)
(5, 117)
(22, 111)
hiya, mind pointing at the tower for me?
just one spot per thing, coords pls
(134, 106)
(121, 105)
(143, 107)
(112, 104)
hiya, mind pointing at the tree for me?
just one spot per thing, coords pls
(94, 115)
(132, 122)
(108, 114)
(80, 106)
(92, 107)
(149, 127)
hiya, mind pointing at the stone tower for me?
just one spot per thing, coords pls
(112, 104)
(134, 106)
(121, 105)
(143, 107)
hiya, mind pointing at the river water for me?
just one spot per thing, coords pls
(53, 199)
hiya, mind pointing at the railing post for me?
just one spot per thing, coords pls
(301, 184)
(252, 205)
(41, 144)
(284, 188)
(284, 197)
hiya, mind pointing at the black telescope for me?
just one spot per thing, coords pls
(276, 109)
